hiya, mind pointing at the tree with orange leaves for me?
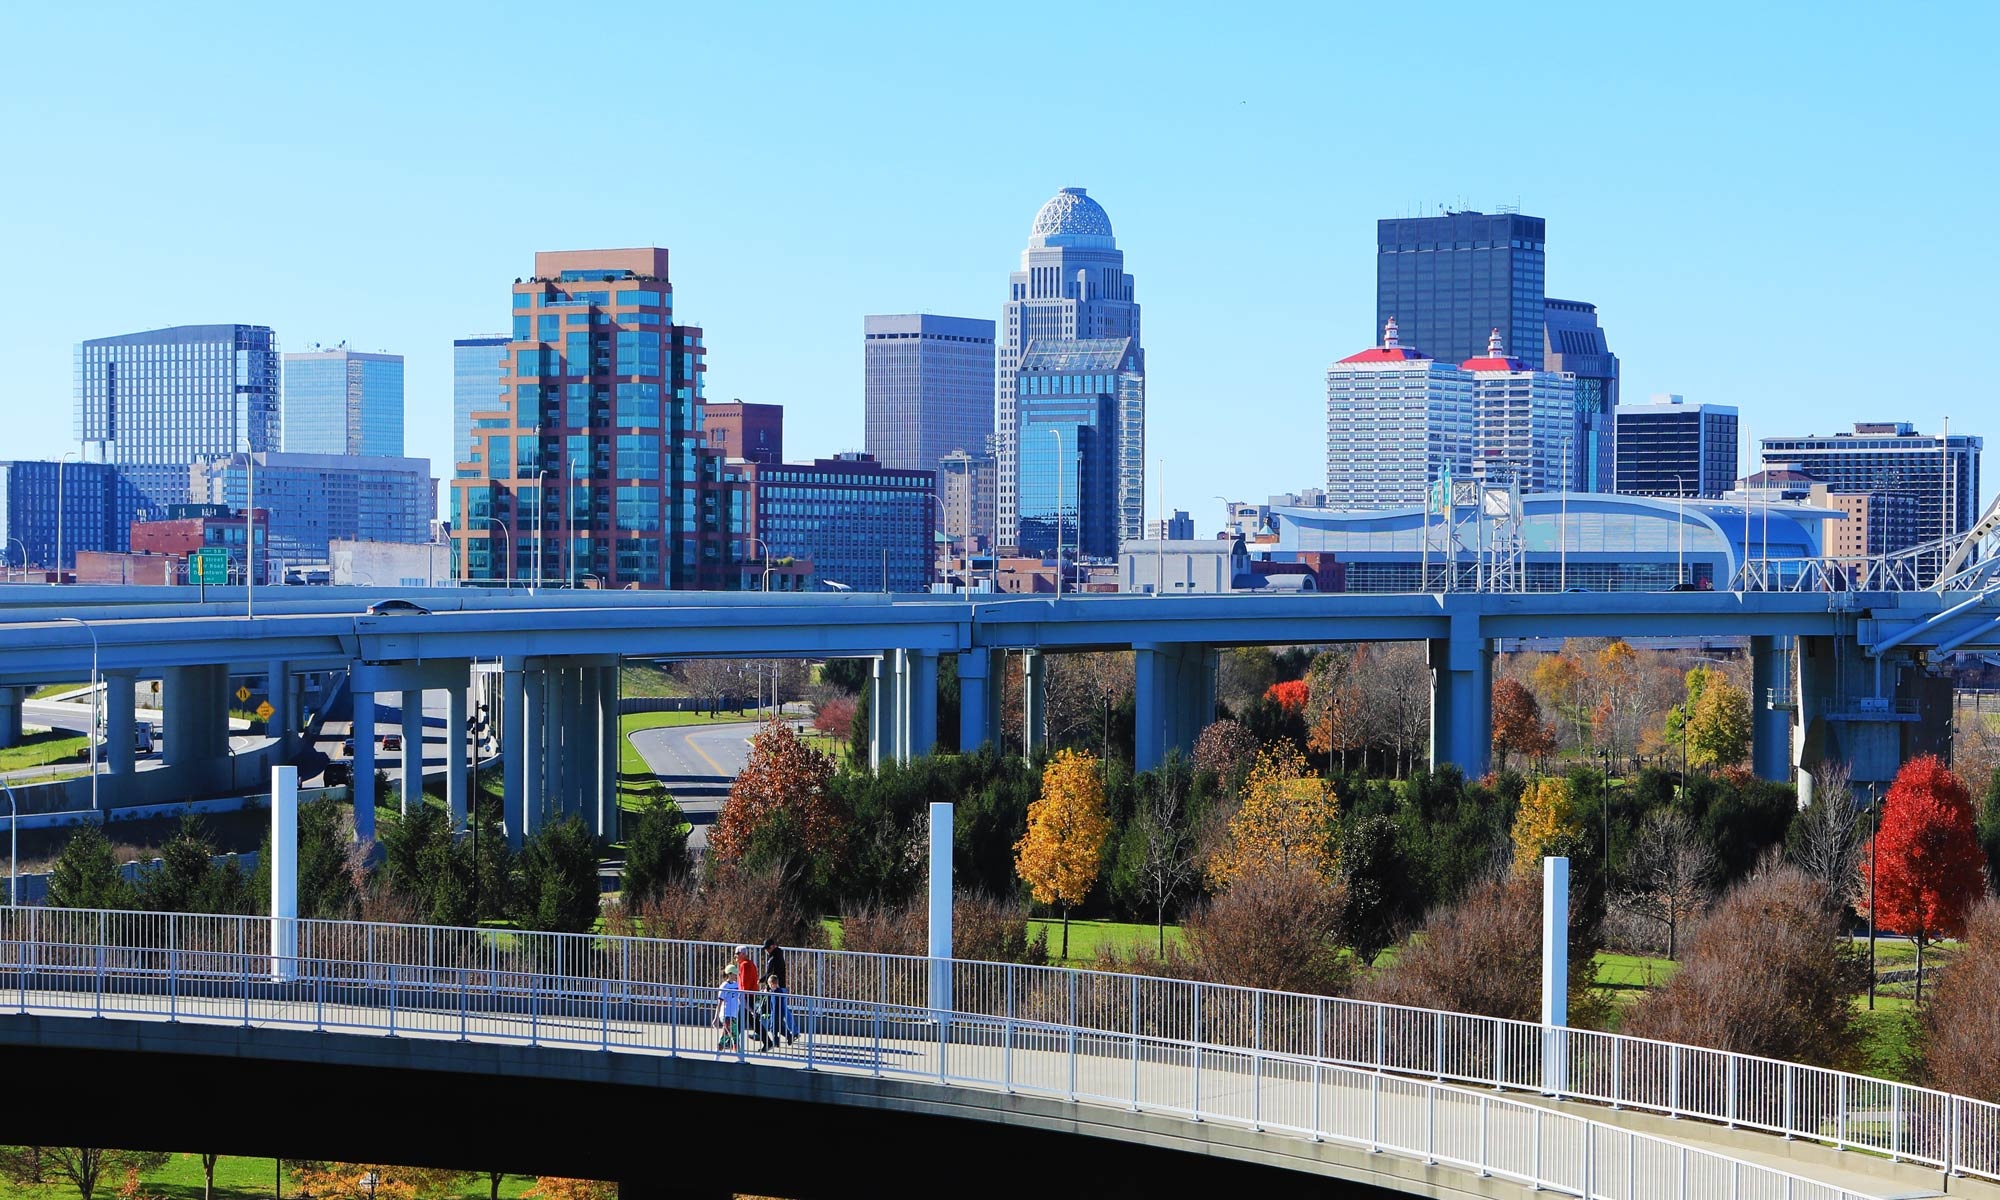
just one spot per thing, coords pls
(1335, 704)
(1518, 727)
(781, 809)
(555, 1187)
(1291, 695)
(1931, 870)
(1062, 852)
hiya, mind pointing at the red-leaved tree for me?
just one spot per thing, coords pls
(1291, 695)
(1931, 870)
(781, 806)
(1518, 727)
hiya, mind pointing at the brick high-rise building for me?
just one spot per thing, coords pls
(587, 467)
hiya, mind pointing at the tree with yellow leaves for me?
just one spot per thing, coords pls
(1062, 853)
(350, 1181)
(1288, 820)
(555, 1187)
(1544, 824)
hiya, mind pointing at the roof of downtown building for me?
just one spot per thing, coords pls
(1071, 214)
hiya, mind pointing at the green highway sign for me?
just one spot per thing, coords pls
(209, 565)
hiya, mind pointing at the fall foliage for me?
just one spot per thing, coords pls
(1931, 870)
(349, 1181)
(782, 792)
(1544, 824)
(553, 1187)
(1718, 724)
(1287, 820)
(1962, 1023)
(1517, 723)
(1291, 695)
(1222, 746)
(1335, 705)
(1062, 853)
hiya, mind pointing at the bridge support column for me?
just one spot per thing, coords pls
(197, 712)
(413, 751)
(120, 697)
(513, 748)
(283, 723)
(978, 707)
(1034, 703)
(1462, 697)
(10, 716)
(457, 766)
(363, 783)
(1770, 728)
(608, 737)
(1175, 697)
(577, 699)
(534, 722)
(921, 675)
(553, 702)
(884, 723)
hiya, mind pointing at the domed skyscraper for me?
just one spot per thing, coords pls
(1071, 302)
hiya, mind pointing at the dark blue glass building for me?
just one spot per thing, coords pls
(1450, 281)
(1074, 400)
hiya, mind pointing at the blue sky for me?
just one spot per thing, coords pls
(1782, 207)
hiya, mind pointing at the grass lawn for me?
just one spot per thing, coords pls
(56, 689)
(42, 749)
(645, 679)
(235, 1179)
(1086, 936)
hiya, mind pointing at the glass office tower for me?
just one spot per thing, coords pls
(1074, 399)
(155, 403)
(478, 369)
(1449, 281)
(586, 468)
(1940, 474)
(1573, 344)
(1668, 447)
(344, 402)
(928, 384)
(97, 507)
(1072, 285)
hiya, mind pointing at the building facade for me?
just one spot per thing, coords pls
(1939, 473)
(1077, 485)
(343, 402)
(1072, 285)
(154, 403)
(865, 526)
(1179, 527)
(1668, 447)
(587, 469)
(478, 373)
(928, 388)
(313, 500)
(751, 432)
(76, 506)
(1397, 422)
(1448, 280)
(182, 529)
(968, 484)
(1573, 344)
(1523, 420)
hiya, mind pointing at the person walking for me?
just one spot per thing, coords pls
(729, 1012)
(778, 988)
(746, 979)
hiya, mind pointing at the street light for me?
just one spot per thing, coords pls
(92, 740)
(1874, 832)
(24, 554)
(507, 541)
(763, 556)
(1057, 435)
(60, 504)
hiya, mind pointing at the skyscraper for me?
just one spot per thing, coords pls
(928, 387)
(587, 465)
(1450, 280)
(1523, 420)
(1073, 400)
(1573, 343)
(1397, 421)
(1939, 473)
(344, 402)
(1668, 447)
(97, 507)
(1072, 284)
(312, 500)
(478, 368)
(154, 403)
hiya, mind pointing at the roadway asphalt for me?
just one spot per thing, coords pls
(698, 763)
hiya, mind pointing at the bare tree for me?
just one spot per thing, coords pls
(83, 1167)
(1825, 840)
(1396, 678)
(1670, 871)
(712, 680)
(1167, 840)
(1080, 688)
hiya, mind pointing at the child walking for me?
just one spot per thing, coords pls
(729, 1012)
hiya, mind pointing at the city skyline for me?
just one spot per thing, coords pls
(778, 277)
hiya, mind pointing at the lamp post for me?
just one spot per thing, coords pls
(477, 728)
(1057, 435)
(92, 740)
(61, 503)
(946, 525)
(13, 847)
(24, 554)
(1874, 832)
(763, 556)
(507, 541)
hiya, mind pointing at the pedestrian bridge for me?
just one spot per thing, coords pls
(573, 1053)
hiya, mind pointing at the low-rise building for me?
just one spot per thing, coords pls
(186, 528)
(390, 564)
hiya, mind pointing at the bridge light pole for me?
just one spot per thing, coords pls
(92, 740)
(507, 542)
(13, 847)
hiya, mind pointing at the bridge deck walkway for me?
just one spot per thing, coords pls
(1631, 1155)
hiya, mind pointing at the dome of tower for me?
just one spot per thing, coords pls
(1071, 213)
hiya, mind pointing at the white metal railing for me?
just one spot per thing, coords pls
(1953, 1133)
(512, 987)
